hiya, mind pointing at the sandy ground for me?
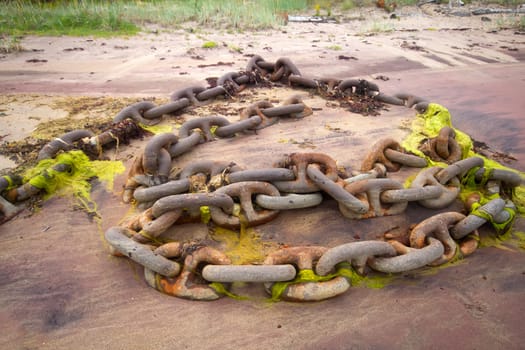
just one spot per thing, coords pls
(60, 289)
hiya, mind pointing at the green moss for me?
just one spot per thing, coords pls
(74, 182)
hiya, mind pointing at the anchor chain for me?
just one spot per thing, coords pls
(226, 194)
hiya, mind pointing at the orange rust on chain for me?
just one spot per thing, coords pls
(147, 226)
(170, 250)
(471, 200)
(377, 155)
(438, 226)
(400, 247)
(444, 147)
(369, 192)
(256, 109)
(189, 284)
(431, 225)
(302, 257)
(278, 74)
(297, 99)
(134, 223)
(131, 182)
(284, 67)
(427, 177)
(250, 215)
(469, 244)
(227, 80)
(20, 193)
(299, 162)
(115, 134)
(154, 227)
(316, 291)
(198, 183)
(329, 84)
(442, 141)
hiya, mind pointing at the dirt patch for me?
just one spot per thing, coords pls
(50, 117)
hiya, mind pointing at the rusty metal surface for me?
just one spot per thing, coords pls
(60, 288)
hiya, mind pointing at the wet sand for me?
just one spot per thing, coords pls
(60, 289)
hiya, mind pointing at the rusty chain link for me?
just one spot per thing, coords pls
(231, 196)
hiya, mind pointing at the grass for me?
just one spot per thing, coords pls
(209, 45)
(348, 5)
(510, 22)
(235, 48)
(9, 44)
(379, 27)
(126, 17)
(69, 18)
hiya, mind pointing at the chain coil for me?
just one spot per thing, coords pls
(231, 196)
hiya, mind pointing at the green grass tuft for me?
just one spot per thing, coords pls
(209, 45)
(9, 44)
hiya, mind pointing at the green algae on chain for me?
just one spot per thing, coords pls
(428, 125)
(221, 289)
(12, 181)
(74, 182)
(343, 269)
